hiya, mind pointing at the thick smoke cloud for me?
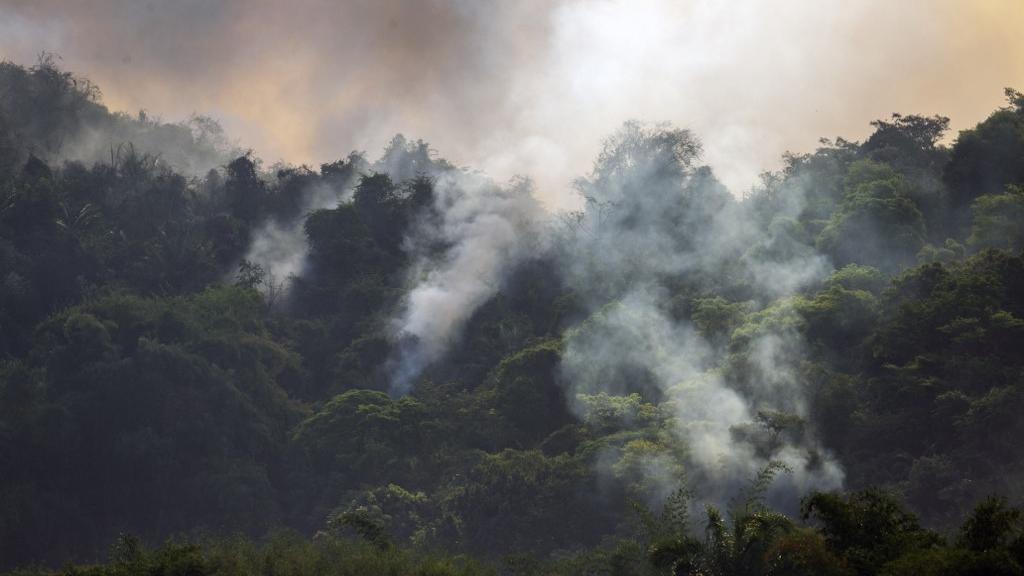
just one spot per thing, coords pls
(531, 87)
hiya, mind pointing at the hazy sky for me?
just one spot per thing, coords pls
(532, 86)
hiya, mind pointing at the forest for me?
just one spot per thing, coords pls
(391, 364)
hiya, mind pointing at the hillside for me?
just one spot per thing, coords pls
(394, 363)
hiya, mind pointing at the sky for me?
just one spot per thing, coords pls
(531, 87)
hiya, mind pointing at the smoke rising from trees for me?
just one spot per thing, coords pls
(463, 246)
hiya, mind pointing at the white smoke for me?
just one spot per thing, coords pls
(484, 231)
(281, 248)
(654, 224)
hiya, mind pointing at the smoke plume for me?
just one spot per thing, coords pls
(483, 231)
(281, 248)
(657, 228)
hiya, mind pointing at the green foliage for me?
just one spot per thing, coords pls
(986, 158)
(876, 223)
(804, 552)
(282, 553)
(605, 413)
(716, 317)
(860, 533)
(122, 372)
(539, 502)
(868, 529)
(527, 395)
(362, 434)
(950, 251)
(858, 277)
(999, 220)
(839, 318)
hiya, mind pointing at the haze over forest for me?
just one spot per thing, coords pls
(533, 87)
(452, 287)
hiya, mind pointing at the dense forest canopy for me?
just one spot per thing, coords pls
(396, 365)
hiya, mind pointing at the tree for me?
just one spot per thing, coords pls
(987, 158)
(245, 192)
(867, 529)
(999, 220)
(877, 223)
